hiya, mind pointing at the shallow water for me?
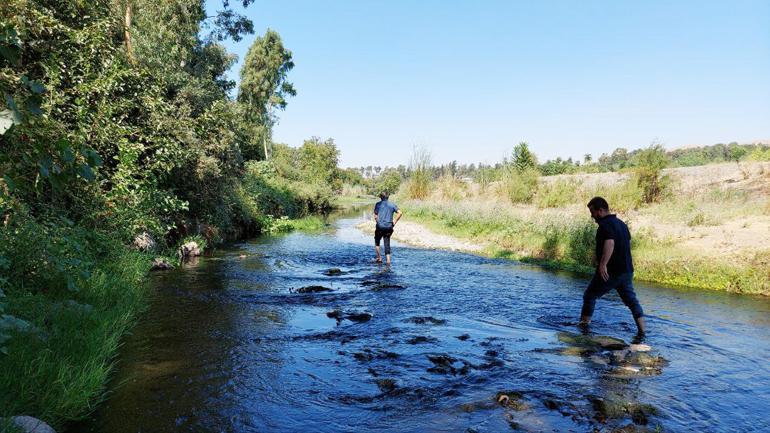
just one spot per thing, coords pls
(229, 345)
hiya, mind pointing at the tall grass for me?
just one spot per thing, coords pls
(418, 185)
(57, 367)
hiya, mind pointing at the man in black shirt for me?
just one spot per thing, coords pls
(615, 268)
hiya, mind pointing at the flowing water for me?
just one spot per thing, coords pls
(230, 345)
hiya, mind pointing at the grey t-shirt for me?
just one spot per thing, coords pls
(384, 211)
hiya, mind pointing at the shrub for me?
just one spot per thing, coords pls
(581, 241)
(650, 162)
(556, 194)
(521, 186)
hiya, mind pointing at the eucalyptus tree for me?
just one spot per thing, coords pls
(264, 88)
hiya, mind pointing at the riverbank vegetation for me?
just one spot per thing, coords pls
(119, 141)
(703, 227)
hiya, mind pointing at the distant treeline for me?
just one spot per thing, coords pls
(618, 160)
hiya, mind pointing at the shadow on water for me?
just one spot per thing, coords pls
(440, 341)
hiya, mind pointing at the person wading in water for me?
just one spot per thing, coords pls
(383, 217)
(615, 268)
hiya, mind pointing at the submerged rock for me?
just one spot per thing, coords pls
(616, 408)
(333, 272)
(359, 317)
(387, 385)
(335, 314)
(420, 339)
(387, 286)
(313, 289)
(422, 320)
(511, 399)
(339, 315)
(463, 337)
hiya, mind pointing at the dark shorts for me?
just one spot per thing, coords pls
(623, 283)
(381, 233)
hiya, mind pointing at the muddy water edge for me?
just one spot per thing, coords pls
(303, 332)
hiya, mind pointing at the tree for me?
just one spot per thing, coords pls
(522, 158)
(264, 87)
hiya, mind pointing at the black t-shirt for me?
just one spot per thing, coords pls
(610, 227)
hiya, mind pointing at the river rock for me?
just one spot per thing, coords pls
(423, 320)
(313, 289)
(144, 242)
(333, 272)
(511, 399)
(640, 348)
(29, 424)
(161, 264)
(592, 341)
(189, 249)
(359, 317)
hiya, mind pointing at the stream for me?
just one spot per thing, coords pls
(437, 342)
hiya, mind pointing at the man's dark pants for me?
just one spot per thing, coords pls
(382, 233)
(623, 283)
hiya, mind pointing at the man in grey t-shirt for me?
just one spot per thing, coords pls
(383, 217)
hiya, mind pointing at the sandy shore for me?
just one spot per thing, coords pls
(417, 235)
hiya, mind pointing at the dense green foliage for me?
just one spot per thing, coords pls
(117, 122)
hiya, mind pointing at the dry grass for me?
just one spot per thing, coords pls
(711, 231)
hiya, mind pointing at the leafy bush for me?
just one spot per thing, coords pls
(521, 186)
(556, 194)
(649, 163)
(581, 241)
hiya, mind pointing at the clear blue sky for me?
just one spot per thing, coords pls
(470, 79)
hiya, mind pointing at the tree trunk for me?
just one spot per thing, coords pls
(127, 33)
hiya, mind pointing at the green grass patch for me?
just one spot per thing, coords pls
(57, 366)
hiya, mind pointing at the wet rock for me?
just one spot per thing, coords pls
(592, 341)
(359, 317)
(489, 365)
(423, 320)
(445, 364)
(335, 314)
(387, 385)
(644, 359)
(144, 242)
(189, 249)
(640, 348)
(420, 339)
(477, 405)
(510, 399)
(613, 407)
(28, 424)
(382, 287)
(632, 428)
(368, 355)
(160, 264)
(463, 337)
(333, 272)
(363, 356)
(314, 289)
(491, 353)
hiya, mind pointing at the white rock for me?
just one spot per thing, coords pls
(30, 424)
(640, 348)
